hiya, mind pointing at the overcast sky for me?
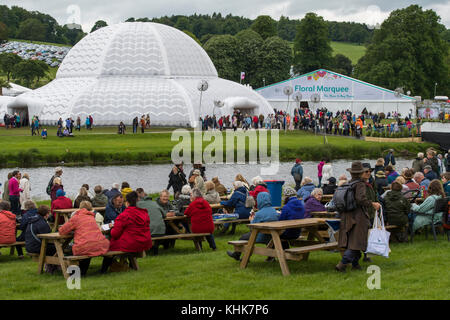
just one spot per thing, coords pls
(87, 12)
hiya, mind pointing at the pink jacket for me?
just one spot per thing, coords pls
(319, 168)
(88, 239)
(13, 186)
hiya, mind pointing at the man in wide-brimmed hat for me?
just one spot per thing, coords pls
(380, 182)
(355, 224)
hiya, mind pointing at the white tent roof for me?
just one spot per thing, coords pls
(122, 71)
(15, 90)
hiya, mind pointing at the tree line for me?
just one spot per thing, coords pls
(19, 23)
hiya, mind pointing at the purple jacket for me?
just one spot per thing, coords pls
(313, 205)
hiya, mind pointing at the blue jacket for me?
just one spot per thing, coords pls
(297, 168)
(111, 193)
(265, 213)
(112, 213)
(26, 218)
(447, 188)
(37, 225)
(305, 191)
(292, 210)
(237, 201)
(389, 158)
(431, 175)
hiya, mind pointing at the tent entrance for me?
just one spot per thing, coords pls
(23, 114)
(251, 111)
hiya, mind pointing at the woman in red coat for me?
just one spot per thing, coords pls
(200, 213)
(61, 202)
(130, 231)
(88, 239)
(260, 186)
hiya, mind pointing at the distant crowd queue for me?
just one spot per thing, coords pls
(134, 217)
(342, 122)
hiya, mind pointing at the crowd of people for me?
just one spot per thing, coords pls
(342, 122)
(13, 121)
(134, 217)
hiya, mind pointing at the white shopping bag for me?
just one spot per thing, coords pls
(378, 242)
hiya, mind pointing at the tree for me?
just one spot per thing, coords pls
(287, 28)
(265, 26)
(8, 61)
(190, 34)
(31, 29)
(312, 48)
(276, 60)
(4, 84)
(3, 32)
(27, 71)
(223, 51)
(99, 24)
(407, 51)
(342, 64)
(249, 47)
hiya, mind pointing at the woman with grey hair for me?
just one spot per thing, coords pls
(200, 213)
(259, 186)
(237, 203)
(184, 199)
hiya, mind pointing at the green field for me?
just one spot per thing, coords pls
(41, 42)
(104, 146)
(351, 50)
(413, 271)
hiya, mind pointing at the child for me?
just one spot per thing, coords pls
(44, 134)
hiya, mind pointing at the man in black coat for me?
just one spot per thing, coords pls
(177, 179)
(37, 224)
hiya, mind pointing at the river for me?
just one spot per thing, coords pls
(154, 177)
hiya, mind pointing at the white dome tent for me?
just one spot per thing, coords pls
(132, 69)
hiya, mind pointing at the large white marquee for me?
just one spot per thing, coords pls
(130, 69)
(337, 92)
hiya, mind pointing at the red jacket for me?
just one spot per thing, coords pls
(131, 231)
(88, 239)
(259, 188)
(200, 213)
(61, 203)
(7, 227)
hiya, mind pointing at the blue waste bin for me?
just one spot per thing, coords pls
(275, 188)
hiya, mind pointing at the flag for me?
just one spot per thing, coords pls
(242, 75)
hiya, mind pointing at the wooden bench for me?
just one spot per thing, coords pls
(34, 256)
(238, 245)
(132, 257)
(12, 246)
(196, 237)
(314, 247)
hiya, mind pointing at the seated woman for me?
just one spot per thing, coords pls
(293, 209)
(7, 223)
(184, 198)
(240, 177)
(396, 210)
(30, 211)
(259, 186)
(212, 196)
(131, 230)
(220, 188)
(236, 202)
(61, 202)
(88, 239)
(200, 213)
(313, 204)
(306, 188)
(99, 200)
(82, 196)
(125, 189)
(265, 213)
(435, 192)
(38, 224)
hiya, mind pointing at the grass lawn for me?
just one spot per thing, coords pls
(351, 50)
(156, 147)
(41, 42)
(413, 271)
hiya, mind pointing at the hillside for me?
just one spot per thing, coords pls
(351, 50)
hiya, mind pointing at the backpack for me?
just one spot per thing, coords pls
(49, 186)
(344, 198)
(249, 200)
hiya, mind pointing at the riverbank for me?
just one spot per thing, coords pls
(102, 146)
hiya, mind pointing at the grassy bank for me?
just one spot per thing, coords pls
(102, 147)
(413, 271)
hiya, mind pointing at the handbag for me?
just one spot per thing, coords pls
(378, 242)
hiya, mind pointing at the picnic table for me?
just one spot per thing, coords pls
(275, 229)
(66, 213)
(173, 223)
(326, 198)
(61, 242)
